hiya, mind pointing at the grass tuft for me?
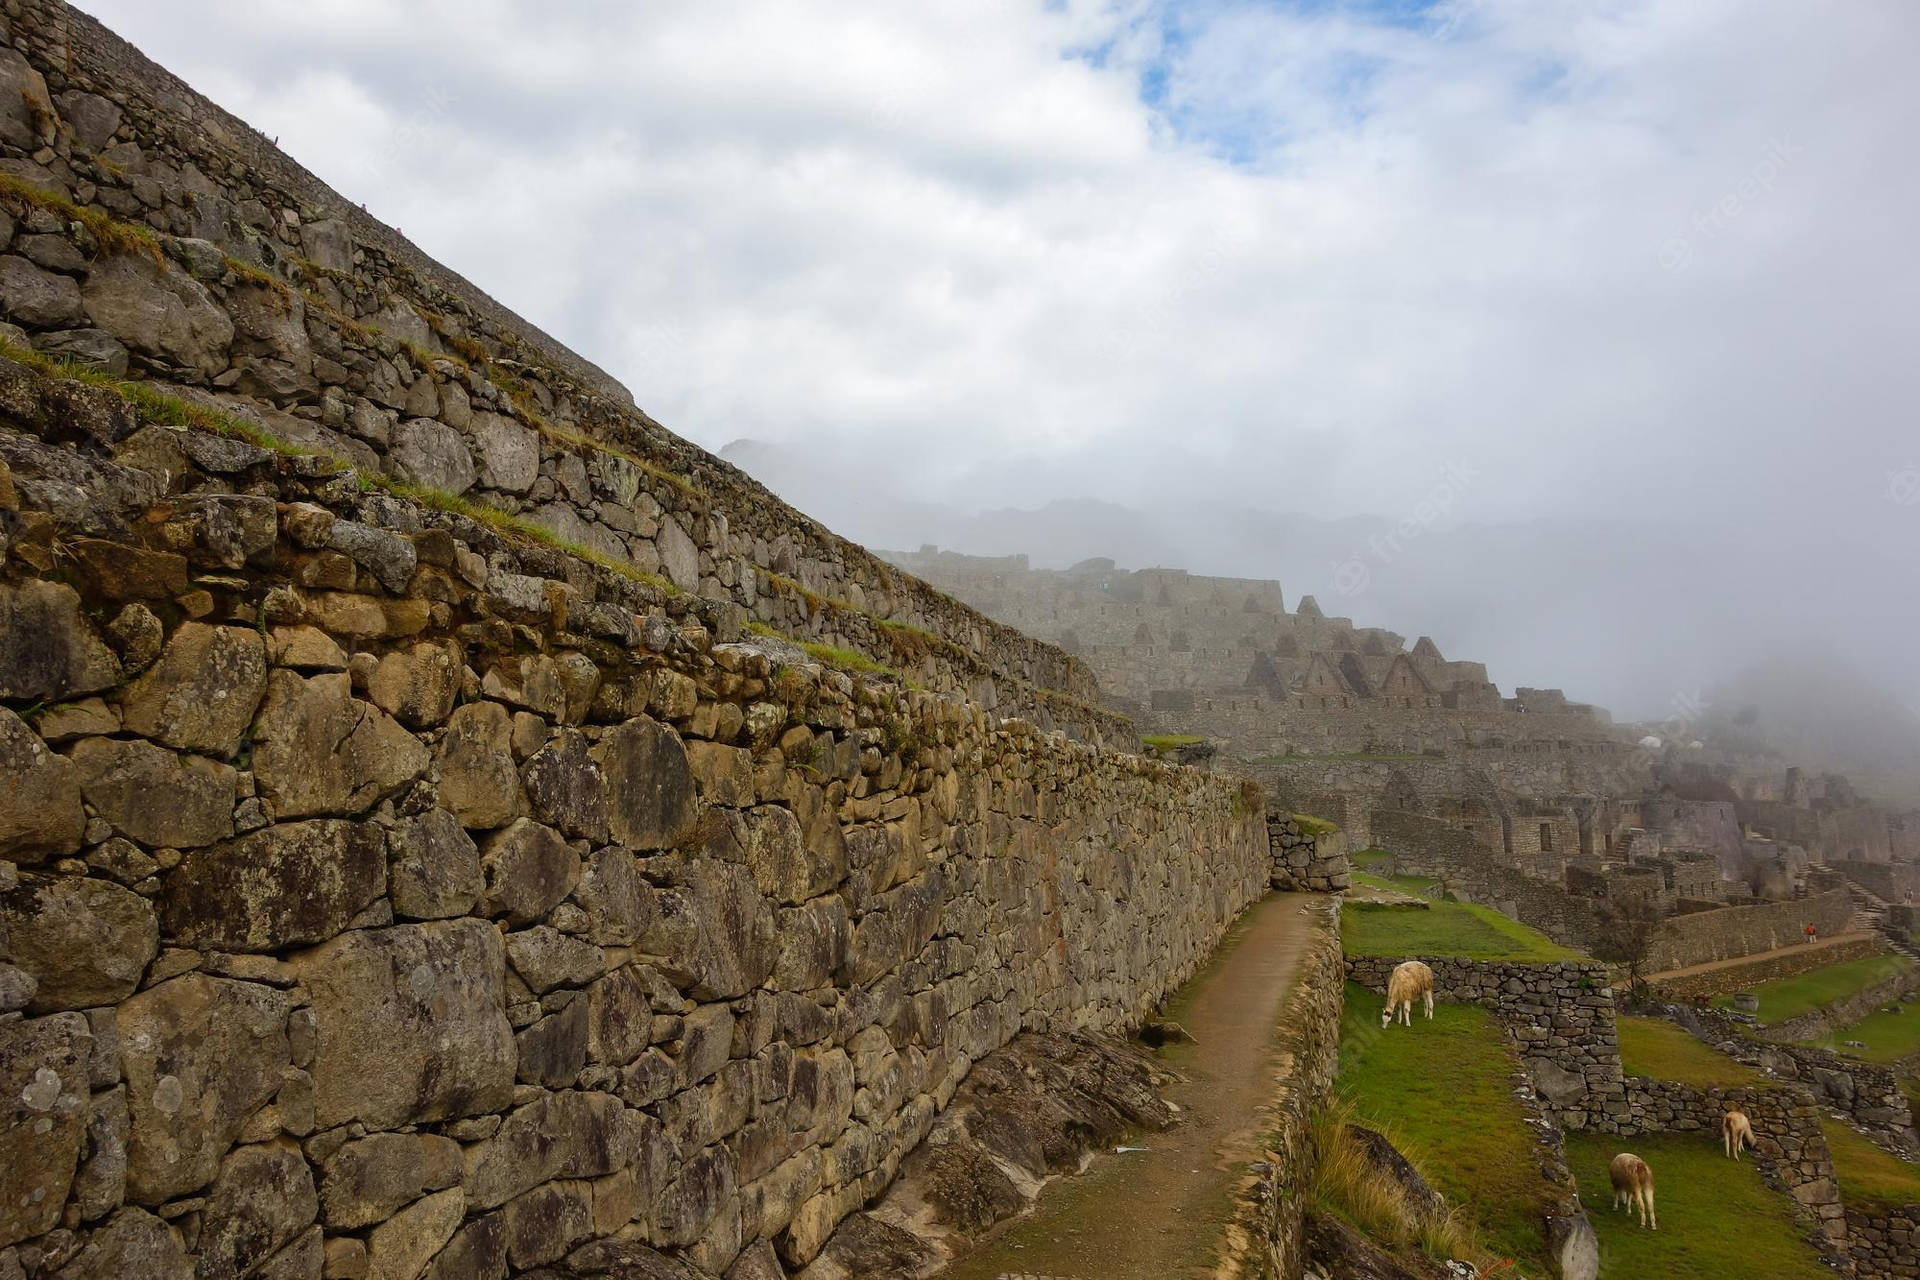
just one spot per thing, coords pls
(112, 235)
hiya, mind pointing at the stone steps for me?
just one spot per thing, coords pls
(1871, 910)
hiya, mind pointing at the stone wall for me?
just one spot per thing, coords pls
(1424, 845)
(1884, 1241)
(151, 234)
(1427, 846)
(1309, 854)
(1869, 1095)
(1560, 1015)
(1729, 932)
(1786, 963)
(388, 893)
(1266, 1237)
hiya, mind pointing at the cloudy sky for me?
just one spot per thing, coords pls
(1626, 260)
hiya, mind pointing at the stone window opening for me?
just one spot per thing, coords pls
(1546, 837)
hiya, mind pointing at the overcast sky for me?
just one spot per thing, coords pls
(1647, 261)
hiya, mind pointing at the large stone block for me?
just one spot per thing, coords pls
(433, 455)
(261, 1201)
(567, 1134)
(712, 929)
(48, 651)
(40, 811)
(435, 867)
(202, 693)
(320, 750)
(410, 1024)
(281, 886)
(163, 314)
(529, 870)
(650, 783)
(43, 1119)
(566, 787)
(154, 796)
(479, 781)
(200, 1055)
(132, 1243)
(85, 941)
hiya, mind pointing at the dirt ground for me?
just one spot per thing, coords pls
(1160, 1213)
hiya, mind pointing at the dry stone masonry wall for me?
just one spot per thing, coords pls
(1309, 855)
(1560, 1014)
(148, 233)
(387, 895)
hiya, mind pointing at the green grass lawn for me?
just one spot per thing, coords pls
(1655, 1047)
(1369, 857)
(1446, 929)
(1868, 1175)
(1417, 1084)
(1718, 1221)
(1889, 1037)
(1413, 886)
(1791, 997)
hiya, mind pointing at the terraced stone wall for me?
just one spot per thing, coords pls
(149, 234)
(1559, 1014)
(387, 892)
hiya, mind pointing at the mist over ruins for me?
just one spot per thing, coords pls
(989, 820)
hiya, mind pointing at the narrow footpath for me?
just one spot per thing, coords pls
(1160, 1213)
(1758, 957)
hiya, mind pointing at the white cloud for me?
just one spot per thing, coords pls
(1628, 258)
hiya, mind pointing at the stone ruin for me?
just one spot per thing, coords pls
(450, 826)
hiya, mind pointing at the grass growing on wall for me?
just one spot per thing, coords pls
(1420, 1085)
(1868, 1176)
(1718, 1220)
(1790, 997)
(1444, 929)
(1658, 1048)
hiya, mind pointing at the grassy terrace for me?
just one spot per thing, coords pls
(1415, 1085)
(1655, 1047)
(1444, 929)
(1790, 997)
(1888, 1037)
(1868, 1176)
(1718, 1221)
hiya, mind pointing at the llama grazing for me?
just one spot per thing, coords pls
(1409, 980)
(1738, 1132)
(1633, 1187)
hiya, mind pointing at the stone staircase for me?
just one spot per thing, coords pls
(1870, 912)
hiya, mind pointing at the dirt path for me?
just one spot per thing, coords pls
(1158, 1214)
(1796, 948)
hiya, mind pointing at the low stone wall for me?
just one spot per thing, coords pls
(1884, 1241)
(383, 892)
(1869, 1095)
(1267, 1234)
(1789, 1148)
(1788, 962)
(1309, 854)
(1560, 1015)
(1729, 932)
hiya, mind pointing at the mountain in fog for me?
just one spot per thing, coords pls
(1642, 616)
